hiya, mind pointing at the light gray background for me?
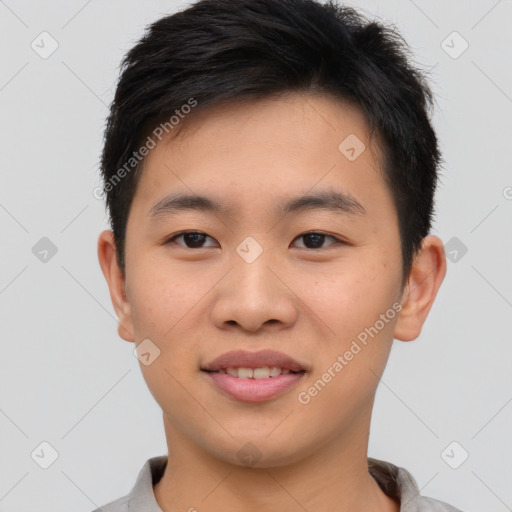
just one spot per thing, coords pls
(68, 379)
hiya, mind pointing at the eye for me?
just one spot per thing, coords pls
(314, 239)
(192, 239)
(196, 239)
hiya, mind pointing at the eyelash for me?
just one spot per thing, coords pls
(172, 239)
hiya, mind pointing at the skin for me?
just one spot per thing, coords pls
(197, 303)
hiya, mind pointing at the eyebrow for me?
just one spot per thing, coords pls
(329, 200)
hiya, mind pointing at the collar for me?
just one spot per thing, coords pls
(395, 481)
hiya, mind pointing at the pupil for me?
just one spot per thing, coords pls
(317, 238)
(194, 238)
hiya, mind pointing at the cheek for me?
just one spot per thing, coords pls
(356, 305)
(163, 302)
(162, 298)
(350, 299)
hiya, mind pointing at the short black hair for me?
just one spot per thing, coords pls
(218, 51)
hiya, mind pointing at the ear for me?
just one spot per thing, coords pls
(107, 255)
(427, 274)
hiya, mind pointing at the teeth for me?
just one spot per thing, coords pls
(275, 371)
(261, 373)
(245, 373)
(257, 373)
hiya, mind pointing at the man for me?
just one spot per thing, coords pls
(270, 169)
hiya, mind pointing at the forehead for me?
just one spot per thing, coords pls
(255, 153)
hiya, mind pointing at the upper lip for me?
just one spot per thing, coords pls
(245, 359)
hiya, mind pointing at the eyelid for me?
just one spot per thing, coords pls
(337, 240)
(170, 239)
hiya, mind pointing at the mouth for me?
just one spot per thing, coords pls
(264, 372)
(254, 376)
(260, 363)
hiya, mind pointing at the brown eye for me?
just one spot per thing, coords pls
(316, 239)
(191, 239)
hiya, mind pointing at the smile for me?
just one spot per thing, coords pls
(253, 388)
(264, 372)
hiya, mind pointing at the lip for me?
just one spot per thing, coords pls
(245, 359)
(254, 390)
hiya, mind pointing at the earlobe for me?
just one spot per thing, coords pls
(427, 274)
(107, 256)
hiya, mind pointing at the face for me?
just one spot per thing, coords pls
(287, 262)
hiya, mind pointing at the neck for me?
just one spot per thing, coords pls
(334, 477)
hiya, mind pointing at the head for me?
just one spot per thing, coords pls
(293, 117)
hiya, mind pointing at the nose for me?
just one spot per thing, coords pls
(254, 297)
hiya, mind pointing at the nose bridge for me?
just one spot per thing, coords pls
(252, 295)
(250, 250)
(251, 271)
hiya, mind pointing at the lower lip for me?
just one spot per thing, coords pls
(254, 390)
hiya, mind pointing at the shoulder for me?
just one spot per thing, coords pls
(120, 505)
(398, 483)
(427, 504)
(141, 497)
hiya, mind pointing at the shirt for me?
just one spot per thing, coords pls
(395, 481)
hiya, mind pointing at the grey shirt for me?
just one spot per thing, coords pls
(395, 481)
